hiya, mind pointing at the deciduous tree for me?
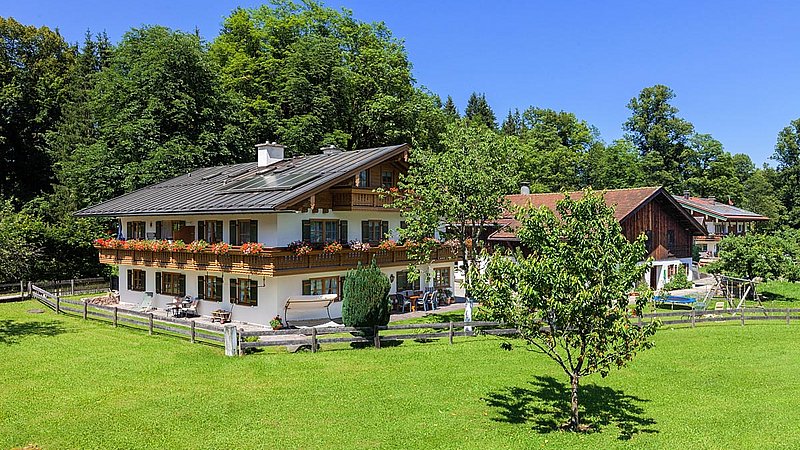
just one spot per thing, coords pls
(567, 293)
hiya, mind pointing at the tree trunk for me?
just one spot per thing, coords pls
(574, 422)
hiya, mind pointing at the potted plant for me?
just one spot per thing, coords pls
(220, 248)
(387, 244)
(359, 246)
(332, 247)
(197, 246)
(276, 323)
(252, 248)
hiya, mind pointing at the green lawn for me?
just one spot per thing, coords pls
(67, 383)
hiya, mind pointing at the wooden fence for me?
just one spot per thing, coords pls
(313, 337)
(75, 286)
(195, 332)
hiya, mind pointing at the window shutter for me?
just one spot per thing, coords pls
(343, 231)
(217, 231)
(384, 229)
(365, 231)
(253, 291)
(234, 294)
(253, 231)
(306, 235)
(158, 230)
(130, 279)
(201, 287)
(158, 282)
(182, 285)
(233, 233)
(306, 287)
(128, 229)
(201, 229)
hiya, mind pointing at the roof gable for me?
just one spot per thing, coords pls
(242, 188)
(722, 211)
(626, 203)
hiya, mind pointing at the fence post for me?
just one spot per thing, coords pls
(150, 327)
(742, 311)
(58, 305)
(231, 339)
(450, 333)
(693, 314)
(72, 286)
(376, 337)
(85, 309)
(239, 341)
(21, 289)
(640, 319)
(30, 288)
(192, 334)
(787, 316)
(314, 343)
(115, 316)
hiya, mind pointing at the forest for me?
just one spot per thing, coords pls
(84, 122)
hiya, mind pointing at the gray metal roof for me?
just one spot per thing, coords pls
(718, 209)
(213, 189)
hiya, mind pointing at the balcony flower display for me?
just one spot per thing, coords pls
(177, 246)
(160, 246)
(252, 248)
(387, 244)
(220, 248)
(197, 246)
(109, 243)
(359, 246)
(332, 247)
(299, 248)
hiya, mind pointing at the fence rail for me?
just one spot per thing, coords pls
(194, 331)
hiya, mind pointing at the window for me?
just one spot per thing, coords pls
(320, 231)
(387, 178)
(319, 286)
(209, 231)
(242, 231)
(362, 180)
(169, 283)
(209, 288)
(403, 284)
(670, 239)
(244, 291)
(441, 277)
(649, 243)
(166, 229)
(135, 230)
(718, 228)
(373, 231)
(136, 280)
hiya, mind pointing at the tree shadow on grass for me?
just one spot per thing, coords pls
(11, 331)
(547, 406)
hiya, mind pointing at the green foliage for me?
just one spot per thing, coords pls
(366, 297)
(33, 67)
(479, 112)
(458, 192)
(679, 281)
(567, 293)
(661, 137)
(787, 154)
(768, 256)
(308, 76)
(158, 111)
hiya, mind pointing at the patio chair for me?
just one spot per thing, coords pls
(147, 304)
(425, 300)
(191, 309)
(402, 303)
(719, 306)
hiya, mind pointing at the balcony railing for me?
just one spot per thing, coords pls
(271, 262)
(357, 198)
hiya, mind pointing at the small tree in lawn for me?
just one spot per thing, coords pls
(366, 297)
(567, 291)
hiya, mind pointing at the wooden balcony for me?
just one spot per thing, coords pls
(354, 199)
(272, 262)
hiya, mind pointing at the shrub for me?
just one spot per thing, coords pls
(678, 281)
(366, 297)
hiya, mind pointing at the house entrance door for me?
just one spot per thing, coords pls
(653, 277)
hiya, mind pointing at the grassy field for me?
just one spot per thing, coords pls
(67, 383)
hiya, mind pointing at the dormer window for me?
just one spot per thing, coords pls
(362, 180)
(387, 179)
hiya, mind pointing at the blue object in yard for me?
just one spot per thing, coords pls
(675, 300)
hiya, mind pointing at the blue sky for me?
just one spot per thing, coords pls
(734, 65)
